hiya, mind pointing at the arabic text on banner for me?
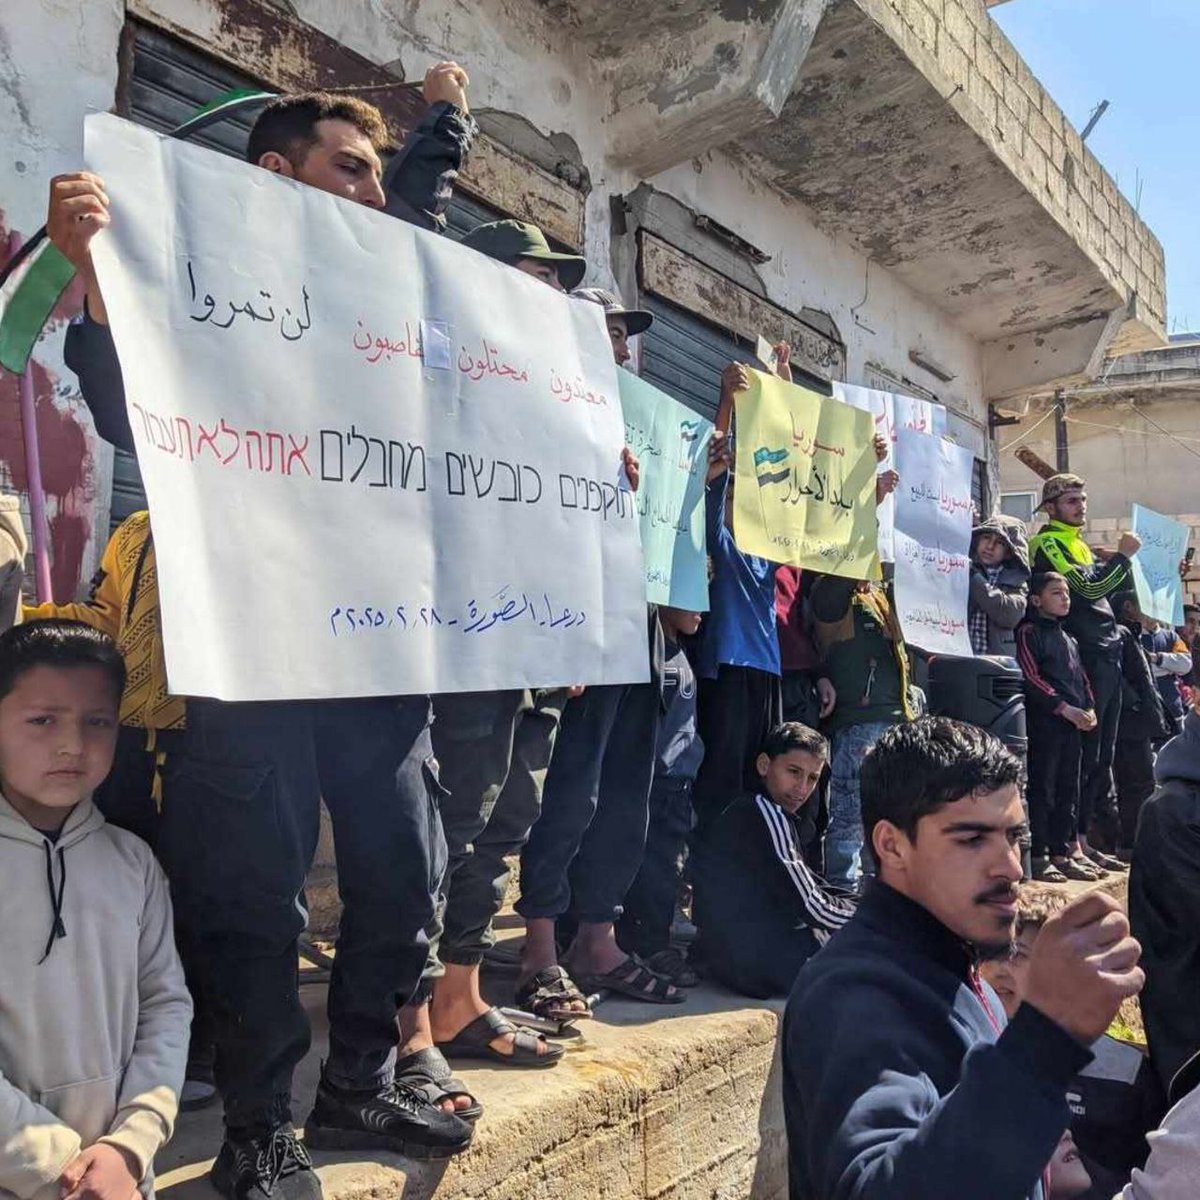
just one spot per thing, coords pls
(671, 442)
(892, 413)
(377, 462)
(805, 480)
(1156, 565)
(933, 542)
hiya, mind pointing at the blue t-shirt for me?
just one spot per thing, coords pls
(739, 629)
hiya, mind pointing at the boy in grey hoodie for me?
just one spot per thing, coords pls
(94, 1015)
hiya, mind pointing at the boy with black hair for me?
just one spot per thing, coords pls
(900, 1079)
(766, 912)
(94, 1014)
(1058, 704)
(1114, 1100)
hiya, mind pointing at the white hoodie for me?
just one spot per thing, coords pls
(94, 1014)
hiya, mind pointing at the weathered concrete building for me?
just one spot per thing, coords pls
(1132, 433)
(884, 182)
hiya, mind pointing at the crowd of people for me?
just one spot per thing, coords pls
(775, 776)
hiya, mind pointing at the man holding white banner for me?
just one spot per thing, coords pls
(240, 813)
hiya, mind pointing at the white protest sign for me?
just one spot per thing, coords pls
(933, 542)
(892, 413)
(336, 511)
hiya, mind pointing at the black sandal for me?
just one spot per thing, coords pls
(474, 1041)
(547, 993)
(630, 979)
(427, 1073)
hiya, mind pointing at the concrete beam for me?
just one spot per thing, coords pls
(1041, 360)
(724, 76)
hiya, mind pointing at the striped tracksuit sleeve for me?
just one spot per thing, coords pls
(825, 909)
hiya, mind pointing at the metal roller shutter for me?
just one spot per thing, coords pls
(685, 356)
(168, 82)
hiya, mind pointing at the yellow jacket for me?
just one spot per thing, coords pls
(124, 604)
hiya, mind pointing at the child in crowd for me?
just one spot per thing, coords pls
(766, 912)
(645, 925)
(1144, 723)
(94, 1014)
(863, 650)
(1058, 703)
(1112, 1100)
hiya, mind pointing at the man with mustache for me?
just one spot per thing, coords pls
(901, 1077)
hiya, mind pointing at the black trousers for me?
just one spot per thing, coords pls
(736, 711)
(239, 829)
(493, 751)
(1097, 803)
(1052, 793)
(584, 850)
(759, 958)
(1134, 769)
(645, 925)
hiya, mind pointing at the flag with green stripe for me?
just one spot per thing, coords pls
(37, 275)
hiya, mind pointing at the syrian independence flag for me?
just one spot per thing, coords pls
(33, 282)
(37, 275)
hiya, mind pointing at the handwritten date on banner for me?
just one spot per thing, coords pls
(503, 608)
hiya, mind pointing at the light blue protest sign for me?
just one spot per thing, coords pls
(671, 442)
(1156, 565)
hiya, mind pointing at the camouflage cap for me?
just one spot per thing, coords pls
(509, 241)
(637, 320)
(1059, 485)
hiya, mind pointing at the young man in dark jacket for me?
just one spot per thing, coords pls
(900, 1079)
(1164, 901)
(1092, 578)
(1058, 702)
(999, 584)
(240, 811)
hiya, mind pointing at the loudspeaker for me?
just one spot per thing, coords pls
(984, 691)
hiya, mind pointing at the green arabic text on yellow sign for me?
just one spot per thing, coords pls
(805, 480)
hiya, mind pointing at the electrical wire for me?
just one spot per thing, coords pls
(1181, 441)
(1029, 432)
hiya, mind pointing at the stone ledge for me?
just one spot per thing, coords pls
(652, 1103)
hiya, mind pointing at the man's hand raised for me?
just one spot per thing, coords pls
(1129, 544)
(78, 211)
(446, 81)
(1084, 965)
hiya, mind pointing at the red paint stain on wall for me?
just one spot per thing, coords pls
(64, 450)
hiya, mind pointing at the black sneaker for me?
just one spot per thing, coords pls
(395, 1118)
(273, 1164)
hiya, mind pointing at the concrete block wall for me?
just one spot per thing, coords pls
(1004, 102)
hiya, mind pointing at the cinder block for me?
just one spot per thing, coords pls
(959, 27)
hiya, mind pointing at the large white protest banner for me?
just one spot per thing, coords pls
(933, 542)
(377, 462)
(892, 413)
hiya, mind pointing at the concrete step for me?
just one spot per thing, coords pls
(677, 1102)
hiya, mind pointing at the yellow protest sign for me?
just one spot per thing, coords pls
(805, 480)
